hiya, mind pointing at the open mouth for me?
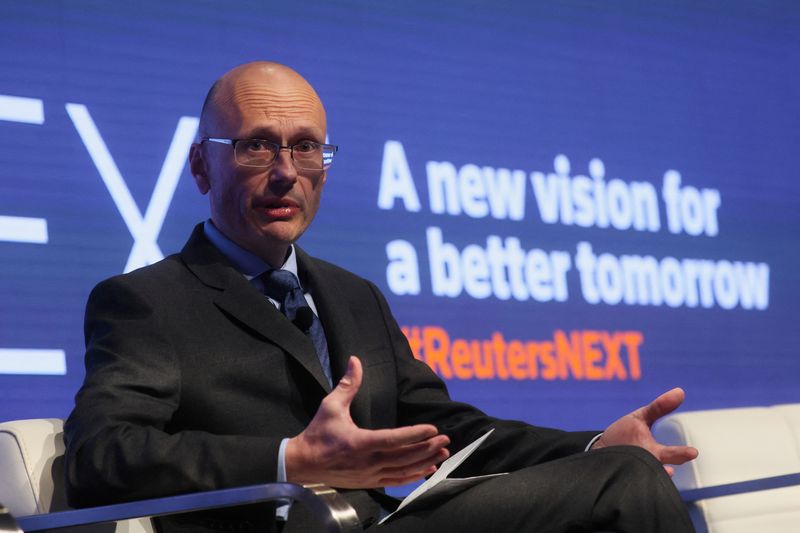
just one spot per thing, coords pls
(278, 208)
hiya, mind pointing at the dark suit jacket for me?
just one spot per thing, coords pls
(193, 378)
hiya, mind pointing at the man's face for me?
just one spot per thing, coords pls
(261, 209)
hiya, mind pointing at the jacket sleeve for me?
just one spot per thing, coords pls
(118, 443)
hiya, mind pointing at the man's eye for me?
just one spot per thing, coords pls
(254, 145)
(305, 146)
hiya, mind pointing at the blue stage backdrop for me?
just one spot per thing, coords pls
(571, 206)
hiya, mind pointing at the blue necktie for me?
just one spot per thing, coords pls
(283, 286)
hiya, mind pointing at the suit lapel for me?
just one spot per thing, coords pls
(340, 327)
(242, 302)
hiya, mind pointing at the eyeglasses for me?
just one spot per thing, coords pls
(307, 155)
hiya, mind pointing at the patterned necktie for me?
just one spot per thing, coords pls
(283, 286)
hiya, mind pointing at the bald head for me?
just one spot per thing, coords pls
(262, 208)
(264, 87)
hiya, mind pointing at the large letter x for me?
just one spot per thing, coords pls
(145, 229)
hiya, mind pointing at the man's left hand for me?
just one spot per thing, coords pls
(633, 429)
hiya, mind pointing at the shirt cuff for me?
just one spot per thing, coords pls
(282, 510)
(588, 446)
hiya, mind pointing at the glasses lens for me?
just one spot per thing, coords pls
(255, 152)
(307, 155)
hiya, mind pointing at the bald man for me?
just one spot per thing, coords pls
(243, 360)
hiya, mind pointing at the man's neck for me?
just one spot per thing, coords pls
(276, 257)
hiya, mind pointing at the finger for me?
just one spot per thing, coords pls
(432, 451)
(670, 470)
(397, 481)
(422, 465)
(663, 405)
(400, 477)
(344, 392)
(677, 455)
(390, 439)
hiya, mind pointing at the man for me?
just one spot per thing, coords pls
(204, 371)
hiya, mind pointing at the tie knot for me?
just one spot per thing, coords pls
(278, 283)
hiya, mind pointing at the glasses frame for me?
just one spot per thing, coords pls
(232, 143)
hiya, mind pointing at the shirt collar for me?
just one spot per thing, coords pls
(246, 262)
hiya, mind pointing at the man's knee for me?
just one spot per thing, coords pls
(637, 490)
(636, 473)
(631, 459)
(633, 468)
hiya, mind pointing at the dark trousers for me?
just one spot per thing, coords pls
(622, 489)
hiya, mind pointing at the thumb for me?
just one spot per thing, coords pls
(348, 386)
(663, 405)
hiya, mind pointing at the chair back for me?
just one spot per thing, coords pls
(737, 445)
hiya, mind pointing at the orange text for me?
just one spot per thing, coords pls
(593, 355)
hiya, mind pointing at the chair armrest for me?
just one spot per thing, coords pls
(332, 510)
(753, 485)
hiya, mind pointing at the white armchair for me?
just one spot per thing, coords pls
(739, 445)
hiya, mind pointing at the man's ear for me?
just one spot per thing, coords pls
(197, 164)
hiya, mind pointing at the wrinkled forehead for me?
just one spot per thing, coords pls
(248, 103)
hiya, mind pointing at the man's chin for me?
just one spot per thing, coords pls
(280, 233)
(283, 230)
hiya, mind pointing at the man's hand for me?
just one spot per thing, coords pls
(634, 429)
(334, 451)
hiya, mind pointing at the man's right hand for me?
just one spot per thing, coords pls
(334, 451)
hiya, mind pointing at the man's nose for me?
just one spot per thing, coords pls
(283, 168)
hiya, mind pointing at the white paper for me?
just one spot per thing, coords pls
(439, 486)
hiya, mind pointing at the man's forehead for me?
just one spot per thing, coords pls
(266, 93)
(288, 102)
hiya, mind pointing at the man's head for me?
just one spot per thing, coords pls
(262, 209)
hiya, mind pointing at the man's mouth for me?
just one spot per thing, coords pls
(278, 208)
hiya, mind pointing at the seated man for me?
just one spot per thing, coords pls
(243, 360)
